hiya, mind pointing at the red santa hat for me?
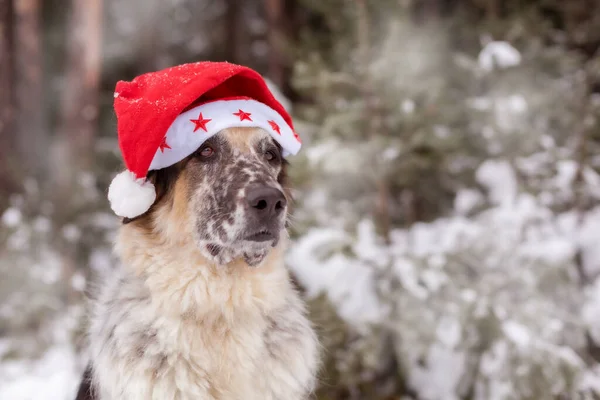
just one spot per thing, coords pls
(164, 116)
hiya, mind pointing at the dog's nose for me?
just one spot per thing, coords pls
(265, 201)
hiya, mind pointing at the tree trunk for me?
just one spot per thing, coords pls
(73, 148)
(234, 34)
(31, 137)
(426, 11)
(275, 37)
(432, 10)
(80, 94)
(77, 126)
(7, 103)
(493, 10)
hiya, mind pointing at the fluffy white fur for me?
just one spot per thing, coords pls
(170, 325)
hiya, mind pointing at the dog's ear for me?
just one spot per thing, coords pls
(164, 180)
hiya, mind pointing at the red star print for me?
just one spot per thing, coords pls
(274, 126)
(297, 137)
(200, 123)
(243, 115)
(163, 145)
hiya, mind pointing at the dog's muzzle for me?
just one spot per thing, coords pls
(266, 205)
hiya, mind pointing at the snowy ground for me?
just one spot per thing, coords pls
(55, 376)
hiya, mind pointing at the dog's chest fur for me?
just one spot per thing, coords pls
(193, 331)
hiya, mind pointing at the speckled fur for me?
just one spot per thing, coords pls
(183, 320)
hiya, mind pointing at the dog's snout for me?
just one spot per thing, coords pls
(265, 201)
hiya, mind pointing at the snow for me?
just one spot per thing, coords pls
(506, 264)
(11, 217)
(449, 333)
(443, 366)
(71, 233)
(466, 200)
(54, 376)
(498, 54)
(78, 282)
(586, 239)
(591, 310)
(349, 283)
(517, 333)
(491, 366)
(500, 180)
(590, 380)
(408, 106)
(390, 154)
(517, 103)
(406, 272)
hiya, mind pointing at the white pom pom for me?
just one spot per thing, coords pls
(130, 197)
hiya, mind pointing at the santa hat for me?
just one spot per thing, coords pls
(164, 116)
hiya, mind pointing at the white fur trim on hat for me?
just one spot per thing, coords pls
(130, 197)
(185, 136)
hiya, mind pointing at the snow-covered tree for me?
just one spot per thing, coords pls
(452, 205)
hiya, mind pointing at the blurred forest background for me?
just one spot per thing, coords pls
(447, 218)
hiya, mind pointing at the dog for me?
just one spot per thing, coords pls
(202, 306)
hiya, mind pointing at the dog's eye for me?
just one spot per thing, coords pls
(207, 152)
(270, 155)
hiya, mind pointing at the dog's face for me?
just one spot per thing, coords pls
(236, 204)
